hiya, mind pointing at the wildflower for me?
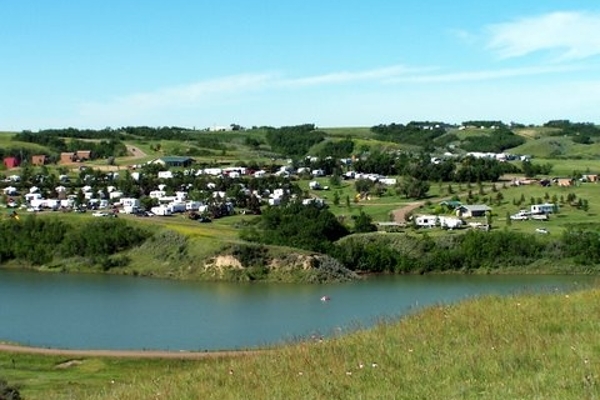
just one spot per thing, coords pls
(361, 365)
(374, 365)
(300, 373)
(348, 373)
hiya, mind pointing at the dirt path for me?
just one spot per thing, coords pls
(188, 355)
(135, 152)
(400, 213)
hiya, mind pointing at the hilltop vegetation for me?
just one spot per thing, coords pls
(262, 143)
(429, 163)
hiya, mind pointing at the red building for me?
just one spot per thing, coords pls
(11, 162)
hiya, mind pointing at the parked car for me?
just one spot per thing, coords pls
(104, 214)
(142, 213)
(519, 217)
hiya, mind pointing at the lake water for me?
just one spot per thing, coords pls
(117, 312)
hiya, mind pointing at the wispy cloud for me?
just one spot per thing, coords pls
(573, 35)
(214, 90)
(374, 75)
(486, 75)
(179, 96)
(237, 94)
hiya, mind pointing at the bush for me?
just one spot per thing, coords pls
(101, 237)
(8, 392)
(250, 255)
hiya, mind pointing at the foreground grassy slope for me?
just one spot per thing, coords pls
(527, 346)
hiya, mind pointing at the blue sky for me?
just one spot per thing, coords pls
(112, 63)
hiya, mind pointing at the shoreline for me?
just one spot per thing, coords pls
(145, 354)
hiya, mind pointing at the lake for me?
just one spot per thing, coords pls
(119, 312)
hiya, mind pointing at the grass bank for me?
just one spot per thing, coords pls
(525, 346)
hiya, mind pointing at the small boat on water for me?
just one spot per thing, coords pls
(325, 298)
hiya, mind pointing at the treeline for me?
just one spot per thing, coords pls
(421, 167)
(38, 241)
(160, 133)
(495, 142)
(414, 133)
(294, 141)
(73, 133)
(317, 229)
(466, 252)
(419, 254)
(484, 123)
(579, 132)
(337, 149)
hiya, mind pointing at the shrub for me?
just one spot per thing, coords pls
(8, 392)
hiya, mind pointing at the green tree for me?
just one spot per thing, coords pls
(336, 198)
(412, 188)
(311, 227)
(335, 180)
(488, 218)
(499, 198)
(363, 223)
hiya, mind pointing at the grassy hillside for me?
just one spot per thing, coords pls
(525, 346)
(558, 147)
(7, 142)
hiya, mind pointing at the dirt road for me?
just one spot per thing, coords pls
(188, 355)
(135, 152)
(400, 213)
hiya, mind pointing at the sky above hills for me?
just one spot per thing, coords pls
(112, 63)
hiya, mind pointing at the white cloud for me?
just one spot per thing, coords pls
(573, 35)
